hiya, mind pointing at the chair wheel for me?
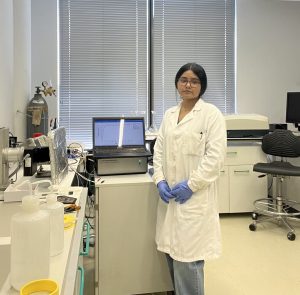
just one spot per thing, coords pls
(291, 236)
(252, 227)
(254, 216)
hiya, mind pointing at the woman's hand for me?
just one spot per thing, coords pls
(181, 192)
(164, 191)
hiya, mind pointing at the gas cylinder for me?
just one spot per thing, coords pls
(37, 115)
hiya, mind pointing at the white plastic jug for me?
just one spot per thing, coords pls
(30, 243)
(56, 211)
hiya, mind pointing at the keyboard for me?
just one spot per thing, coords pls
(119, 150)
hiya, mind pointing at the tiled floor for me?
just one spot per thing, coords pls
(264, 262)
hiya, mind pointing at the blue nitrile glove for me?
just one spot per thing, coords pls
(164, 191)
(181, 192)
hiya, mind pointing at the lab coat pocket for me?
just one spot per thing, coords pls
(194, 208)
(193, 144)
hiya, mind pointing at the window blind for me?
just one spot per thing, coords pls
(109, 66)
(103, 63)
(193, 31)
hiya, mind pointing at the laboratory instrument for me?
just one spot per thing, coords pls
(246, 126)
(119, 145)
(8, 155)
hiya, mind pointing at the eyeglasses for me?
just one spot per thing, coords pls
(193, 82)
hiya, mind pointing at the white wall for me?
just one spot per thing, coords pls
(22, 65)
(268, 56)
(44, 48)
(6, 63)
(15, 44)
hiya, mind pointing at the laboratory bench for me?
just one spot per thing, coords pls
(66, 268)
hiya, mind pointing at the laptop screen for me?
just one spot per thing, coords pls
(118, 132)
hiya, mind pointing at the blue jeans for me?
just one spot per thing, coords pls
(187, 277)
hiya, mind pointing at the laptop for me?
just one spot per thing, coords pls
(116, 137)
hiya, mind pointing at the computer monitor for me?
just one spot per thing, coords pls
(58, 154)
(293, 108)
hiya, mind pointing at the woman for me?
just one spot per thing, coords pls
(188, 156)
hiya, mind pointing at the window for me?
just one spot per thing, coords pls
(120, 57)
(193, 31)
(103, 63)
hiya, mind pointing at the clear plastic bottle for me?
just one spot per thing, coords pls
(30, 243)
(56, 211)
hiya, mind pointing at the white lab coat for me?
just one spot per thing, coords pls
(193, 150)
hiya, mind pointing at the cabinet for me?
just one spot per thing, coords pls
(126, 258)
(239, 185)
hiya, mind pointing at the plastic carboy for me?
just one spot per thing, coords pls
(56, 211)
(30, 243)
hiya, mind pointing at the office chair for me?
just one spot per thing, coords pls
(284, 144)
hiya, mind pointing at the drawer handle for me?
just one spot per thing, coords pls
(241, 171)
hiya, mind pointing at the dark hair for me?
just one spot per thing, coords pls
(198, 71)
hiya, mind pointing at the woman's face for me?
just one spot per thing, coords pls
(189, 86)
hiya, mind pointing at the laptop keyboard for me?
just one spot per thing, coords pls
(119, 150)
